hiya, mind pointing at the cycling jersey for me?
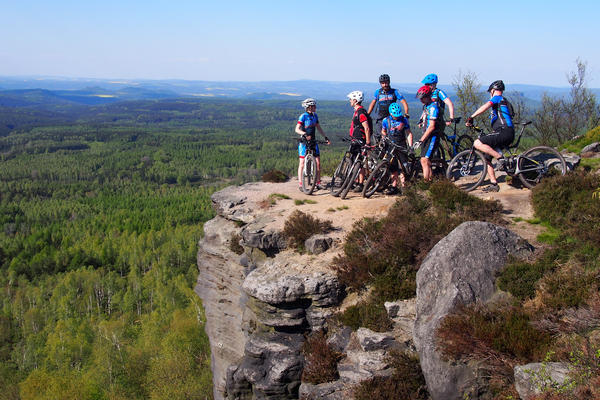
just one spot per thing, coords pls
(396, 129)
(432, 114)
(308, 123)
(500, 113)
(439, 96)
(384, 99)
(357, 130)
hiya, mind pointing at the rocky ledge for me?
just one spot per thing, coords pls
(261, 298)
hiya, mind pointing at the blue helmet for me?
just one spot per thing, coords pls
(395, 110)
(429, 79)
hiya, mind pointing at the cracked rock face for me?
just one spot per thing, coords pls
(459, 269)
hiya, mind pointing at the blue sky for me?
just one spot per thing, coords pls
(529, 42)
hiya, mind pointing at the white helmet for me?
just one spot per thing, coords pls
(357, 95)
(308, 102)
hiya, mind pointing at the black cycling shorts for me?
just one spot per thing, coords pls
(501, 137)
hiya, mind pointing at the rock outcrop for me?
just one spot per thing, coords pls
(458, 270)
(260, 303)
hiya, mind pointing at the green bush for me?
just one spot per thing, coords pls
(300, 226)
(369, 314)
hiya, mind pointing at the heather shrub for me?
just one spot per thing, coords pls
(406, 382)
(567, 203)
(300, 226)
(570, 286)
(275, 176)
(500, 334)
(369, 314)
(320, 360)
(234, 244)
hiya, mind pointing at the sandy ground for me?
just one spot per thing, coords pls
(344, 213)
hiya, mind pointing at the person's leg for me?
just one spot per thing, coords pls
(318, 161)
(485, 148)
(300, 167)
(426, 164)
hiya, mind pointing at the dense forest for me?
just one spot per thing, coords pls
(101, 209)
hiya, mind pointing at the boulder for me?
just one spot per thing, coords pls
(591, 148)
(459, 269)
(278, 282)
(371, 341)
(532, 379)
(318, 244)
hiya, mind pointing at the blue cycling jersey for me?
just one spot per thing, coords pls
(384, 99)
(432, 113)
(439, 96)
(309, 123)
(500, 113)
(396, 129)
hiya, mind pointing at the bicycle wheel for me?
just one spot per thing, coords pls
(309, 174)
(377, 179)
(340, 175)
(465, 142)
(351, 178)
(538, 162)
(467, 170)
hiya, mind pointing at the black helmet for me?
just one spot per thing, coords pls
(497, 85)
(384, 78)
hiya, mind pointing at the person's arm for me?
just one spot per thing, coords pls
(322, 133)
(479, 111)
(372, 106)
(365, 125)
(450, 106)
(430, 128)
(298, 129)
(405, 105)
(409, 137)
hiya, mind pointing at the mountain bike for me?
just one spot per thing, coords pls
(455, 144)
(411, 169)
(361, 160)
(469, 168)
(343, 170)
(309, 172)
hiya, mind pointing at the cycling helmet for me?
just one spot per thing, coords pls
(308, 102)
(384, 78)
(357, 95)
(497, 85)
(424, 91)
(429, 79)
(395, 110)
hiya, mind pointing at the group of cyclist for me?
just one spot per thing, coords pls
(392, 122)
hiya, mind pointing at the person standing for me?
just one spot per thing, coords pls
(307, 124)
(360, 129)
(383, 98)
(396, 126)
(503, 131)
(430, 140)
(441, 98)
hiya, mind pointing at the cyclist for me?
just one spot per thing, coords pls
(503, 132)
(360, 129)
(440, 97)
(383, 98)
(306, 126)
(398, 129)
(430, 140)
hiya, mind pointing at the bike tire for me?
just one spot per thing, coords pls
(538, 162)
(309, 174)
(465, 142)
(377, 178)
(350, 179)
(466, 171)
(340, 175)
